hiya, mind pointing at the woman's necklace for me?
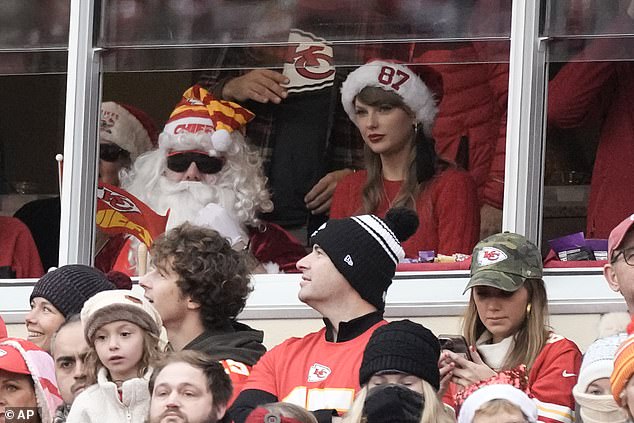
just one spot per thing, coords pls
(390, 202)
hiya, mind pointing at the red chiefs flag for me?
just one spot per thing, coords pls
(118, 211)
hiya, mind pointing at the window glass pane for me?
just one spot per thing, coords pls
(32, 128)
(461, 54)
(142, 22)
(588, 175)
(566, 18)
(34, 23)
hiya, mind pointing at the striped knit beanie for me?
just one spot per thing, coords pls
(68, 287)
(623, 365)
(211, 120)
(366, 249)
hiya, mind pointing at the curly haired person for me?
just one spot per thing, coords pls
(199, 286)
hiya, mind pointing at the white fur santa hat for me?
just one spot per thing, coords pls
(128, 127)
(200, 121)
(395, 77)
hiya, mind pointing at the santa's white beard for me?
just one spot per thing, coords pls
(186, 198)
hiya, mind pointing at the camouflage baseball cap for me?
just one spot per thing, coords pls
(504, 261)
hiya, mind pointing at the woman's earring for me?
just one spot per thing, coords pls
(529, 307)
(415, 125)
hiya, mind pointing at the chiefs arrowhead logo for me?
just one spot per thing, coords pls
(490, 255)
(348, 260)
(318, 372)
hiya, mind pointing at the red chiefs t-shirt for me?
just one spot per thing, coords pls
(312, 372)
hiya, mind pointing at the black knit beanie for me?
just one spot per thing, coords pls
(68, 287)
(366, 249)
(404, 346)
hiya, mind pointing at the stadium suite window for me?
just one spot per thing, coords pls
(590, 63)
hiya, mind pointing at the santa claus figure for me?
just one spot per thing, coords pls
(204, 172)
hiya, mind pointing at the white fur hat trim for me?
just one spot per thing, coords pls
(393, 77)
(122, 128)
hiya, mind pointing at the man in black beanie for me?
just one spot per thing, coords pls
(345, 278)
(59, 294)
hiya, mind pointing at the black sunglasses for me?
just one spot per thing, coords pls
(111, 152)
(180, 162)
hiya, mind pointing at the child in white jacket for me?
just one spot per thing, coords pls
(122, 329)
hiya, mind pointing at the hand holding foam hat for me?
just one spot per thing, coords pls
(505, 261)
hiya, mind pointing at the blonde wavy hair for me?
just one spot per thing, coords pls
(433, 410)
(532, 335)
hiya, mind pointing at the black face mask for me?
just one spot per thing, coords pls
(392, 403)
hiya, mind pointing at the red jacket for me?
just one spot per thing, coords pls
(585, 90)
(17, 249)
(474, 104)
(447, 210)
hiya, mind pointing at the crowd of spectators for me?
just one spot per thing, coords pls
(175, 351)
(98, 351)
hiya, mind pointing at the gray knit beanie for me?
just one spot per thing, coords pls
(68, 287)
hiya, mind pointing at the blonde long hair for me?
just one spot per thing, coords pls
(433, 410)
(532, 335)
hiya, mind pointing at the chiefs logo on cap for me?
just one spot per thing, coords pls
(2, 353)
(490, 255)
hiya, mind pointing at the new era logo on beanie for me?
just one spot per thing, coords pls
(366, 249)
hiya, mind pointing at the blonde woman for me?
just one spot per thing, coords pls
(399, 377)
(506, 327)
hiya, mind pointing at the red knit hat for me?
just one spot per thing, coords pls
(200, 112)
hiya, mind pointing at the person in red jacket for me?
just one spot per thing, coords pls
(18, 253)
(394, 111)
(586, 89)
(506, 328)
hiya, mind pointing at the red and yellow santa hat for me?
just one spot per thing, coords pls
(200, 113)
